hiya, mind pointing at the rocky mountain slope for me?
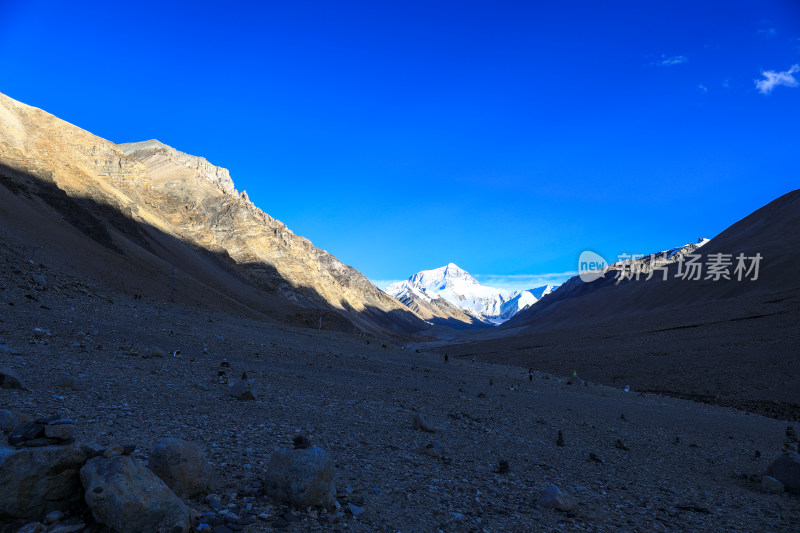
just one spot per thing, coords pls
(614, 274)
(154, 220)
(726, 341)
(438, 290)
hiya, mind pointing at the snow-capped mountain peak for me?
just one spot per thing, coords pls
(459, 288)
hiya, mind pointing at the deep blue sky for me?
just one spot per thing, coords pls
(506, 137)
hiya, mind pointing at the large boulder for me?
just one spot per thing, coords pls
(302, 477)
(182, 466)
(36, 481)
(127, 497)
(786, 469)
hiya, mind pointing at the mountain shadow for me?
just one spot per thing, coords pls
(105, 244)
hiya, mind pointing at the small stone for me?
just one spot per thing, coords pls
(31, 527)
(422, 423)
(434, 449)
(53, 517)
(113, 451)
(9, 379)
(502, 467)
(560, 440)
(771, 485)
(355, 509)
(157, 352)
(786, 469)
(620, 446)
(243, 390)
(301, 442)
(557, 499)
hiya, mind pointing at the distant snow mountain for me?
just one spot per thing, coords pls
(456, 287)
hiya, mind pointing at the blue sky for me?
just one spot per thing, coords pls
(506, 137)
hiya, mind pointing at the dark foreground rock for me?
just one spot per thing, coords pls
(182, 465)
(124, 495)
(36, 481)
(302, 477)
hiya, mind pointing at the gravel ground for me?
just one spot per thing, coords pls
(687, 466)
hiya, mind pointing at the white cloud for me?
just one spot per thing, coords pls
(668, 61)
(773, 79)
(518, 282)
(767, 32)
(703, 88)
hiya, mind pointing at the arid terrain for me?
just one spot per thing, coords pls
(686, 466)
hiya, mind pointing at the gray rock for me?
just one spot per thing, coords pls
(53, 517)
(303, 477)
(243, 390)
(786, 469)
(355, 509)
(36, 481)
(157, 352)
(420, 422)
(558, 499)
(771, 485)
(124, 495)
(182, 466)
(434, 449)
(9, 379)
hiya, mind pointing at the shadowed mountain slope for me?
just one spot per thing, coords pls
(726, 341)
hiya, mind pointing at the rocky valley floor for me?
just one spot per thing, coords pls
(633, 462)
